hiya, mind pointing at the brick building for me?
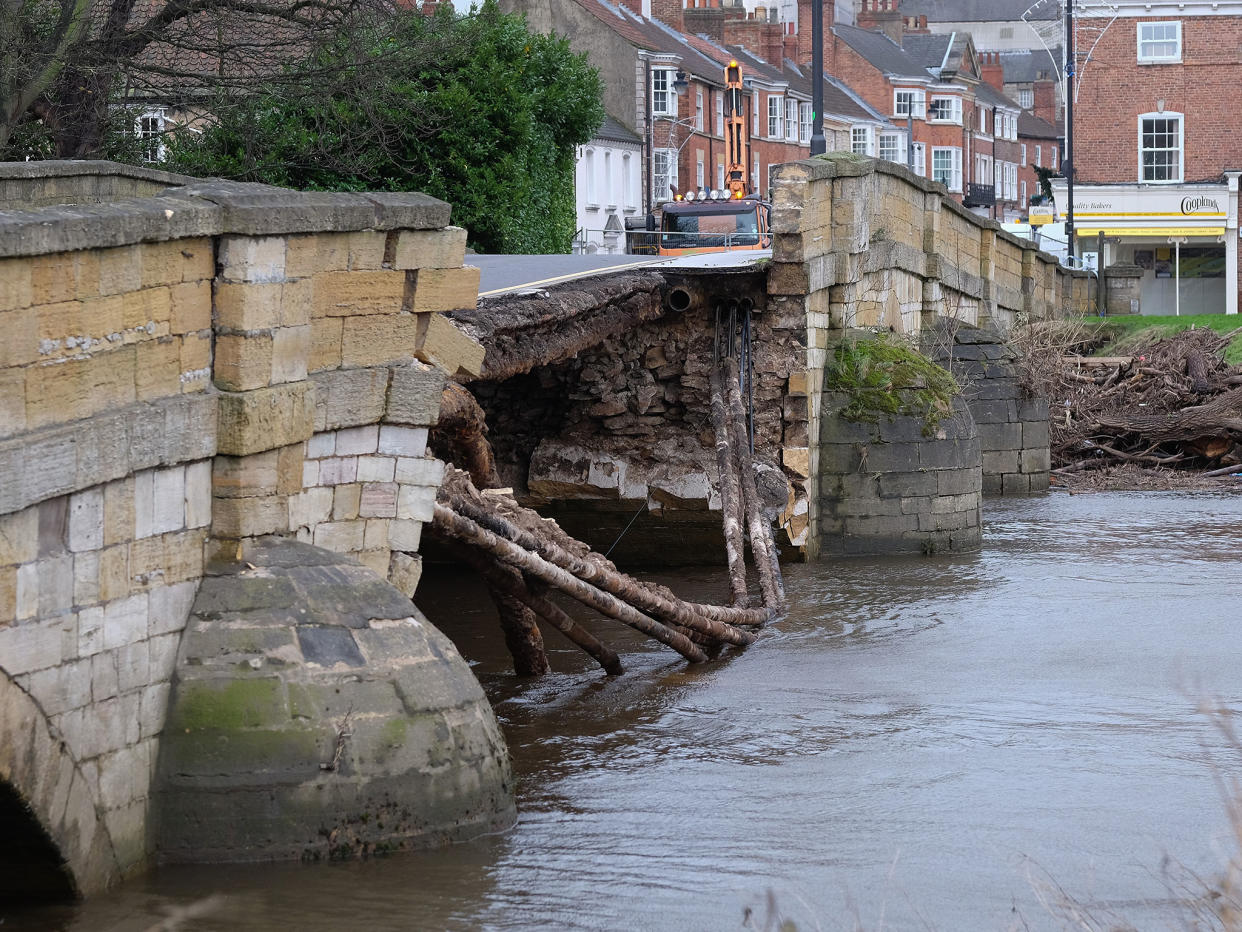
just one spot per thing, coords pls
(1156, 155)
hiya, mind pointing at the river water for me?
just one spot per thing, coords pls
(960, 742)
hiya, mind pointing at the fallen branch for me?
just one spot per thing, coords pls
(614, 583)
(460, 528)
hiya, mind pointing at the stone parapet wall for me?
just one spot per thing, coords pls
(131, 451)
(25, 185)
(864, 243)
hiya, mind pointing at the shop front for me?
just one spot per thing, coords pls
(1183, 237)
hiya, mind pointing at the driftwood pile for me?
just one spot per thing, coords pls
(1174, 403)
(521, 555)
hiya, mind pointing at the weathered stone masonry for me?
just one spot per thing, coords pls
(866, 244)
(199, 363)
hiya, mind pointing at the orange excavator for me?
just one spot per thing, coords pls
(719, 221)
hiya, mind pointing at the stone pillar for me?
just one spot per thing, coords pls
(1122, 289)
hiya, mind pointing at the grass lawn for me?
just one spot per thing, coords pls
(1128, 333)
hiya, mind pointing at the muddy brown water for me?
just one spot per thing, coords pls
(954, 743)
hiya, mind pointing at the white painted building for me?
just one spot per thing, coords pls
(609, 188)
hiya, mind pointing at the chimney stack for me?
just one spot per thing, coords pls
(881, 16)
(991, 70)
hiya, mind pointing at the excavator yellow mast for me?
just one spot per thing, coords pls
(735, 132)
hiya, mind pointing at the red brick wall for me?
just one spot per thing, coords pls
(1115, 90)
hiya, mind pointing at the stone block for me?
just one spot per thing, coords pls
(20, 345)
(1035, 461)
(1015, 484)
(133, 666)
(119, 516)
(435, 249)
(242, 361)
(161, 263)
(326, 335)
(250, 517)
(402, 441)
(379, 339)
(950, 454)
(404, 535)
(198, 494)
(144, 503)
(894, 457)
(419, 471)
(346, 500)
(8, 595)
(12, 402)
(291, 350)
(797, 460)
(1033, 409)
(341, 536)
(90, 632)
(1039, 482)
(169, 607)
(125, 621)
(114, 580)
(321, 445)
(440, 341)
(338, 470)
(376, 537)
(15, 284)
(1000, 462)
(378, 500)
(157, 369)
(245, 476)
(1034, 434)
(958, 481)
(993, 484)
(416, 502)
(29, 647)
(438, 290)
(153, 708)
(347, 294)
(252, 258)
(357, 441)
(349, 397)
(909, 484)
(169, 500)
(376, 468)
(998, 411)
(55, 585)
(19, 537)
(414, 395)
(994, 437)
(404, 571)
(266, 418)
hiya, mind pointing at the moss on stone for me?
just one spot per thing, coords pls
(884, 378)
(231, 704)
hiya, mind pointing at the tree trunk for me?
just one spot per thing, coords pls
(762, 546)
(522, 635)
(460, 436)
(730, 503)
(629, 590)
(451, 524)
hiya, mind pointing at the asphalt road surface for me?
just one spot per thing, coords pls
(501, 274)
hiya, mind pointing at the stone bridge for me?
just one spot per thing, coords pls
(215, 401)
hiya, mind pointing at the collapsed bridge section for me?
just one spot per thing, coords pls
(597, 399)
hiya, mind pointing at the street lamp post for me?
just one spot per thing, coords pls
(819, 145)
(1068, 165)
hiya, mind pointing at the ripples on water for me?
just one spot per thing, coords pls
(922, 743)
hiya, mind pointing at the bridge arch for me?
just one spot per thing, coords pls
(56, 845)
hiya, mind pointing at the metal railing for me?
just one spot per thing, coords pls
(979, 195)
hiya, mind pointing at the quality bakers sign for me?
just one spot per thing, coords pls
(1147, 210)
